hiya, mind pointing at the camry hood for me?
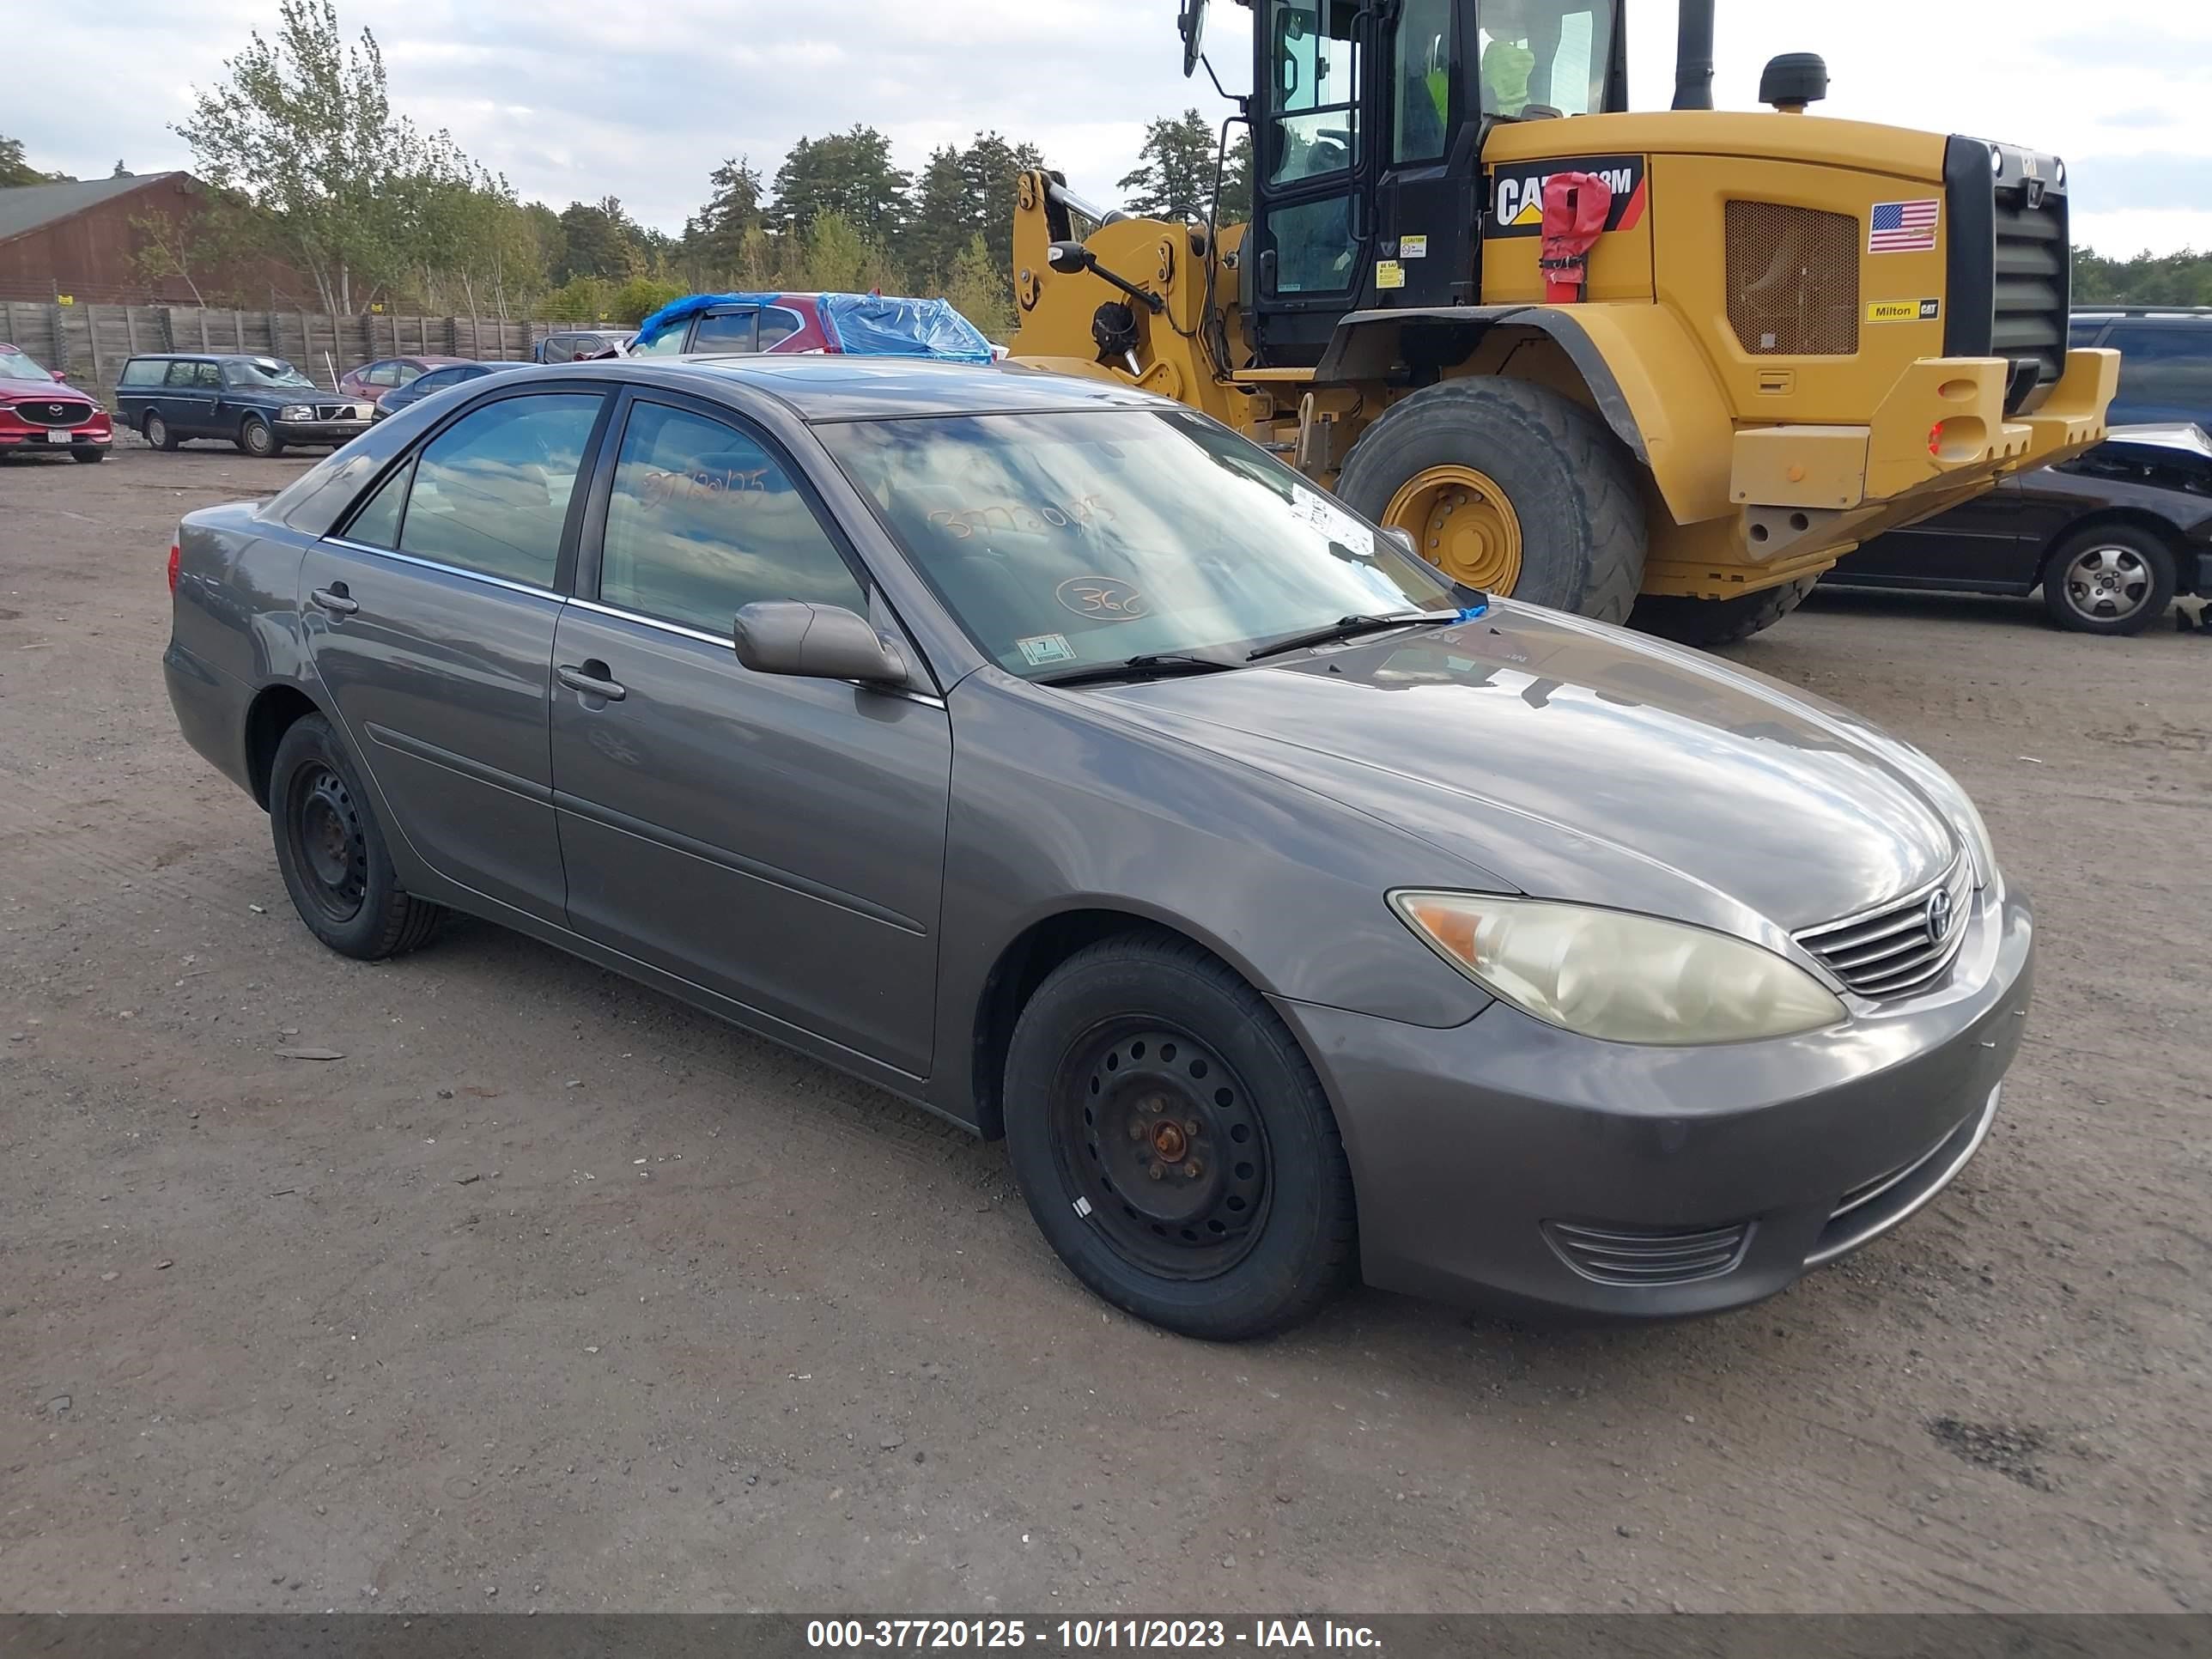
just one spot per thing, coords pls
(1571, 760)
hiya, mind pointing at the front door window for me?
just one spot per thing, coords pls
(1314, 89)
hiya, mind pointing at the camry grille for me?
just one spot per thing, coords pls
(1903, 945)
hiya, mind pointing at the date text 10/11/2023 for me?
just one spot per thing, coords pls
(1086, 1635)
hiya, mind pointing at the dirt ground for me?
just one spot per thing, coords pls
(552, 1293)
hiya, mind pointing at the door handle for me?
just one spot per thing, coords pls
(592, 679)
(335, 600)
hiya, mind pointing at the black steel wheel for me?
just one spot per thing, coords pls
(1174, 1143)
(328, 844)
(332, 852)
(1162, 1137)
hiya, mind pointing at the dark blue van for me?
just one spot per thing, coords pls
(260, 404)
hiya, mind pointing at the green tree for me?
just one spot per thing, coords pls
(849, 174)
(640, 297)
(597, 239)
(1173, 175)
(941, 222)
(14, 170)
(2148, 279)
(714, 237)
(978, 291)
(302, 127)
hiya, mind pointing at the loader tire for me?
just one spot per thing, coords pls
(1569, 531)
(1709, 622)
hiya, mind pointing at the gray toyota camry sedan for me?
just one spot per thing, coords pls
(1051, 756)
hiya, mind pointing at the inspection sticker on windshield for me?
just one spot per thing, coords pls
(1039, 649)
(1332, 520)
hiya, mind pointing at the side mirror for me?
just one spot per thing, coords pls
(816, 642)
(59, 374)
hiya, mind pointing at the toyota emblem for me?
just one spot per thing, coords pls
(1939, 916)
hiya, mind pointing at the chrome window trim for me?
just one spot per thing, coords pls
(420, 562)
(928, 699)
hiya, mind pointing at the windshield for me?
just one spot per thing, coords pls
(1548, 52)
(266, 371)
(14, 365)
(1064, 540)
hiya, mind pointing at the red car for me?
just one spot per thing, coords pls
(372, 381)
(40, 411)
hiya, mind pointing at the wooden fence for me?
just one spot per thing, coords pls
(93, 342)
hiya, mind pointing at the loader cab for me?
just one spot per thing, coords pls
(1368, 121)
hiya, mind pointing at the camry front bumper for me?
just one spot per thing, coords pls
(1508, 1164)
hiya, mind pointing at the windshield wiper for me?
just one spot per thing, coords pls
(1349, 628)
(1153, 667)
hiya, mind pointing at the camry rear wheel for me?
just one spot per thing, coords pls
(1174, 1143)
(332, 852)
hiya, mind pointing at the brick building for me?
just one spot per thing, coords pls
(81, 239)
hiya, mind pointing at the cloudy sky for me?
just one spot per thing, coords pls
(577, 98)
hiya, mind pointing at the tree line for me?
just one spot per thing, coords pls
(309, 164)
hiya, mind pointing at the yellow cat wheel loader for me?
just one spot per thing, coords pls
(1676, 362)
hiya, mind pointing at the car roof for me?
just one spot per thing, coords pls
(846, 388)
(210, 356)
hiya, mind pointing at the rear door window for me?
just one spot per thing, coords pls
(704, 520)
(728, 331)
(381, 374)
(491, 492)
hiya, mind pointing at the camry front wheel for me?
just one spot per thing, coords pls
(1174, 1143)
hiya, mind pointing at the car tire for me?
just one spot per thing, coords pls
(257, 438)
(1709, 622)
(1143, 1055)
(2109, 578)
(158, 434)
(1569, 526)
(87, 455)
(332, 854)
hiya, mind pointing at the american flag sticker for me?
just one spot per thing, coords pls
(1904, 227)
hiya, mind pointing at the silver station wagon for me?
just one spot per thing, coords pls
(1052, 757)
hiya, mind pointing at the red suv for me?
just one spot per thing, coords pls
(372, 381)
(39, 411)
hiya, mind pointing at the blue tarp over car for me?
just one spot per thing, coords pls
(863, 325)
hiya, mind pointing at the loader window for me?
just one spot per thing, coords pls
(1313, 90)
(1421, 69)
(1548, 52)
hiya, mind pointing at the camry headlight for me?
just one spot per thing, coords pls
(295, 412)
(1619, 977)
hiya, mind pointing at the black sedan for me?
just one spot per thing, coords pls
(2110, 537)
(437, 380)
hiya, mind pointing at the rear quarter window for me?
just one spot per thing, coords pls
(143, 371)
